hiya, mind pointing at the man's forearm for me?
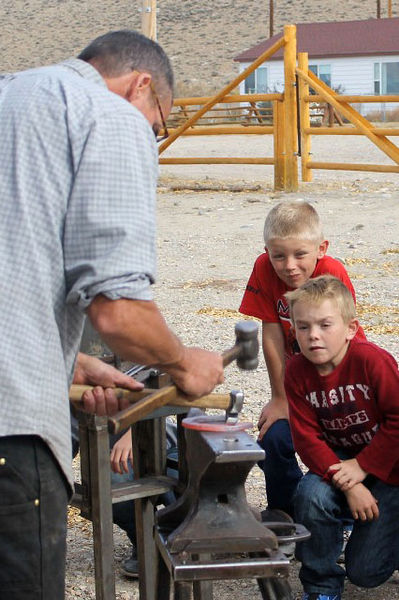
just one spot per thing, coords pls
(136, 331)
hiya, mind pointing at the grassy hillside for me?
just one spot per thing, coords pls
(200, 36)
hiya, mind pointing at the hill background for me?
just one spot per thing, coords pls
(201, 37)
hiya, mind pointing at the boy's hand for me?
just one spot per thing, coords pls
(274, 410)
(122, 452)
(347, 474)
(362, 503)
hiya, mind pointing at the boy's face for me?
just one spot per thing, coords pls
(322, 334)
(295, 260)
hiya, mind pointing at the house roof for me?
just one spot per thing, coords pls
(337, 38)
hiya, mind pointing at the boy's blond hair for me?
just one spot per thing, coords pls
(325, 287)
(293, 220)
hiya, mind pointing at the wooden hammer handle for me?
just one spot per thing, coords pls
(154, 399)
(142, 408)
(76, 391)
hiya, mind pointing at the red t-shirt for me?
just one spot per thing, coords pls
(264, 295)
(356, 407)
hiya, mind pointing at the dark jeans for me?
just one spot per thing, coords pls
(372, 553)
(33, 511)
(280, 466)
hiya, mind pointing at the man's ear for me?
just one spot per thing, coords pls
(138, 83)
(322, 249)
(353, 327)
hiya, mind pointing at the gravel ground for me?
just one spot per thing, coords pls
(210, 222)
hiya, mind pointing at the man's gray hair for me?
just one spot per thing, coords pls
(119, 52)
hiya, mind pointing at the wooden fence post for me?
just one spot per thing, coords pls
(304, 118)
(149, 18)
(279, 146)
(290, 113)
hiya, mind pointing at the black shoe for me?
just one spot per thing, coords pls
(130, 566)
(275, 515)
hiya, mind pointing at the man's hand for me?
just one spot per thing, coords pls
(136, 330)
(197, 371)
(102, 400)
(347, 474)
(362, 503)
(122, 452)
(274, 410)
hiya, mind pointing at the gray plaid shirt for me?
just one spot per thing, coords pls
(78, 170)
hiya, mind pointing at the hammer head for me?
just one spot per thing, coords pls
(247, 339)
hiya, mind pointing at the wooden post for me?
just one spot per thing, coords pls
(290, 113)
(279, 146)
(378, 9)
(304, 117)
(389, 8)
(271, 18)
(149, 18)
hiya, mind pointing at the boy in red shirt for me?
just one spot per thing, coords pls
(295, 251)
(343, 396)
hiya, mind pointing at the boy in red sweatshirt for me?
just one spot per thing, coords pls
(343, 395)
(295, 251)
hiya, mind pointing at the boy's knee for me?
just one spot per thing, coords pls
(313, 495)
(276, 436)
(369, 566)
(365, 575)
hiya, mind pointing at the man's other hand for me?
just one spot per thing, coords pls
(102, 399)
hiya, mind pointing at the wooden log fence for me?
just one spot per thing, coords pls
(342, 104)
(287, 116)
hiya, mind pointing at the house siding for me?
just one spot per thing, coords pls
(355, 75)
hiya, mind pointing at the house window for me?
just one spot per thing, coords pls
(323, 72)
(256, 82)
(386, 78)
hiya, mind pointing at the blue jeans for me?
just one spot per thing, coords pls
(280, 466)
(33, 509)
(372, 553)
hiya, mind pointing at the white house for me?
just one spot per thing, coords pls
(355, 57)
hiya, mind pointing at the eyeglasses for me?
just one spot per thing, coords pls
(165, 135)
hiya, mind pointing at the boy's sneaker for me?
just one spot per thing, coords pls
(347, 533)
(130, 566)
(317, 596)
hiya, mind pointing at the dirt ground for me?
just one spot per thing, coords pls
(210, 222)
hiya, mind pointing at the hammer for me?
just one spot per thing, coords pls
(245, 352)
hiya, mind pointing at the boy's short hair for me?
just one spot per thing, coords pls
(325, 287)
(293, 220)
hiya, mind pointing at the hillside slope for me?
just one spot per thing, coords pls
(200, 36)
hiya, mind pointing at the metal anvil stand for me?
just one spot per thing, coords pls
(181, 547)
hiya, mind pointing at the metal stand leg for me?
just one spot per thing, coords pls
(164, 581)
(182, 591)
(149, 457)
(275, 589)
(203, 590)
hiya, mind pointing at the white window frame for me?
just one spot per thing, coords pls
(317, 69)
(379, 78)
(255, 90)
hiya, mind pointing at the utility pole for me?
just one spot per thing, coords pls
(378, 9)
(149, 18)
(271, 18)
(389, 8)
